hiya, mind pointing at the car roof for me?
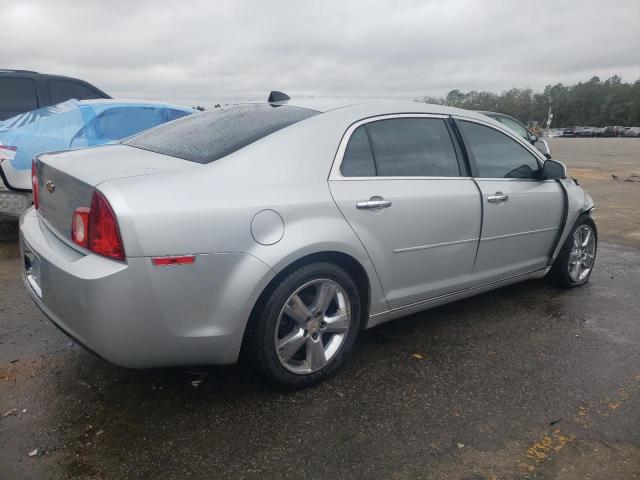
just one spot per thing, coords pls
(362, 108)
(30, 73)
(27, 72)
(33, 73)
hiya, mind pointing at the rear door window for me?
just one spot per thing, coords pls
(410, 147)
(63, 90)
(209, 136)
(17, 95)
(358, 158)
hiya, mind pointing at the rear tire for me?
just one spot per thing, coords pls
(576, 259)
(307, 326)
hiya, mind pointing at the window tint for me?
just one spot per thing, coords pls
(413, 147)
(515, 126)
(17, 95)
(206, 137)
(497, 155)
(358, 159)
(63, 90)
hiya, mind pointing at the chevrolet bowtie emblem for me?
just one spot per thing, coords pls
(50, 186)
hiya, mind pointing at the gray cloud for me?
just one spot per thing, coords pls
(207, 51)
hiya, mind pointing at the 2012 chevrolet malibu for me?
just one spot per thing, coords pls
(281, 229)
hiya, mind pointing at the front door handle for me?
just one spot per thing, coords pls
(374, 203)
(498, 197)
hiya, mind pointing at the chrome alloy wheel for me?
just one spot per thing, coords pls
(312, 326)
(583, 253)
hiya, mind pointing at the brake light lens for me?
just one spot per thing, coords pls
(34, 183)
(104, 236)
(96, 228)
(7, 152)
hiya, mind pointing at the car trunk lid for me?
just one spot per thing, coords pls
(67, 179)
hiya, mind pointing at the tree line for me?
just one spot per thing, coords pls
(594, 103)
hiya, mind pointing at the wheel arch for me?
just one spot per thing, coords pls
(353, 267)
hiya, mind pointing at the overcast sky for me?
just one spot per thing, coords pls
(202, 52)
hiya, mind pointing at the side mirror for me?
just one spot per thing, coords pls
(533, 138)
(553, 170)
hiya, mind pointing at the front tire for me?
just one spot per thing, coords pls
(575, 261)
(307, 326)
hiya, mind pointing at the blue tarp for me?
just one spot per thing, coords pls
(79, 124)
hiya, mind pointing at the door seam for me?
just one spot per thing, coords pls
(475, 260)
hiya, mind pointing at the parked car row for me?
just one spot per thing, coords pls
(610, 131)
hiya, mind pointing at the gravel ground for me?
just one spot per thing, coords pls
(528, 381)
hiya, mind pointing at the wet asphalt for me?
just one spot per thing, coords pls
(528, 381)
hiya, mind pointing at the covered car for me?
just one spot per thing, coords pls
(69, 125)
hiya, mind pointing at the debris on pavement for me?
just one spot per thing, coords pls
(417, 356)
(13, 411)
(33, 452)
(630, 178)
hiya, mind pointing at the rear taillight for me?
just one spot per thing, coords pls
(96, 228)
(34, 183)
(7, 152)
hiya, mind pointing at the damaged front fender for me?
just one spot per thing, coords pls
(578, 202)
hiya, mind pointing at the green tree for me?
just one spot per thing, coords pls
(591, 103)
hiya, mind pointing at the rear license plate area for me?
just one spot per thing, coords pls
(32, 269)
(12, 203)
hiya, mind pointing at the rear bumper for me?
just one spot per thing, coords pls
(15, 190)
(137, 315)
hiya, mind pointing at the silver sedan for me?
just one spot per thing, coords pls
(283, 228)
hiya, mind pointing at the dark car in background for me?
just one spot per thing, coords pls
(587, 132)
(613, 131)
(25, 90)
(572, 132)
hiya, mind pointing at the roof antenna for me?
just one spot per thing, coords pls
(276, 96)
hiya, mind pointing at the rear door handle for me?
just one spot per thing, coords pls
(499, 197)
(374, 203)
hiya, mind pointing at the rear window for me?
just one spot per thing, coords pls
(206, 137)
